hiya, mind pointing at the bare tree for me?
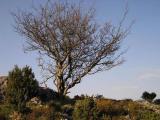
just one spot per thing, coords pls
(72, 40)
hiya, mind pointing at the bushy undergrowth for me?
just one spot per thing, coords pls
(148, 115)
(85, 110)
(88, 108)
(5, 110)
(41, 113)
(109, 109)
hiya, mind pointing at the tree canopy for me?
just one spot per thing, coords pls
(148, 96)
(74, 43)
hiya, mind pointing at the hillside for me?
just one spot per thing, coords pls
(84, 108)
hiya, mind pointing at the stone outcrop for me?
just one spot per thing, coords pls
(150, 106)
(3, 83)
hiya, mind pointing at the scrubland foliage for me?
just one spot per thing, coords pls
(21, 87)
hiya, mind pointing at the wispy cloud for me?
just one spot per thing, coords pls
(150, 75)
(124, 88)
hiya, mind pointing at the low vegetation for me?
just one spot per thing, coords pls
(21, 87)
(88, 108)
(25, 100)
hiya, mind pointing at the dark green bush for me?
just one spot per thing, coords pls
(21, 87)
(67, 109)
(148, 96)
(157, 101)
(56, 105)
(81, 97)
(85, 109)
(46, 94)
(99, 96)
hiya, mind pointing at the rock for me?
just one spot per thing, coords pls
(3, 84)
(36, 100)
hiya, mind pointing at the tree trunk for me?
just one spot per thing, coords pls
(61, 87)
(60, 84)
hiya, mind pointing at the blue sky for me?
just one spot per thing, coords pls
(140, 72)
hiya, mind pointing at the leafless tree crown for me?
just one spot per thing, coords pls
(73, 41)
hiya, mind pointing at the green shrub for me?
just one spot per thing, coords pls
(148, 96)
(56, 105)
(46, 94)
(67, 109)
(99, 96)
(147, 115)
(5, 110)
(85, 109)
(21, 87)
(81, 97)
(157, 101)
